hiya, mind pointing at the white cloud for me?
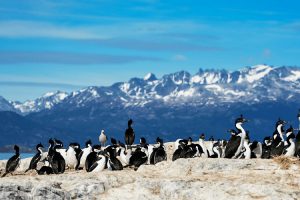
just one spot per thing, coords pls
(179, 57)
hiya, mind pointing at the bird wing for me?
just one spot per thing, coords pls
(232, 146)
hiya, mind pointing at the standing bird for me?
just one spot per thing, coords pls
(102, 138)
(34, 161)
(236, 142)
(277, 145)
(289, 149)
(55, 159)
(129, 134)
(13, 162)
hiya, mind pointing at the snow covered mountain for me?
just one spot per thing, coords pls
(175, 105)
(47, 101)
(249, 85)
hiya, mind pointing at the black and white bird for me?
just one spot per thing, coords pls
(59, 146)
(266, 148)
(13, 162)
(100, 162)
(278, 141)
(289, 148)
(36, 158)
(84, 153)
(73, 156)
(92, 157)
(129, 134)
(236, 142)
(46, 169)
(203, 146)
(57, 162)
(138, 157)
(181, 149)
(113, 162)
(124, 154)
(158, 153)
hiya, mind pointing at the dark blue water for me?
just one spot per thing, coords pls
(6, 156)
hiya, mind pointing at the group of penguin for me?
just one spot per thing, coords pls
(239, 145)
(95, 158)
(92, 158)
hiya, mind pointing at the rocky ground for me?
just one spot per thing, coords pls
(197, 178)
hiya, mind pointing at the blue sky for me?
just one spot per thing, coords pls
(66, 44)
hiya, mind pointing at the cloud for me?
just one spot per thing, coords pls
(151, 45)
(39, 84)
(267, 53)
(23, 29)
(19, 57)
(179, 57)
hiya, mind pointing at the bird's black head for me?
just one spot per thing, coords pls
(143, 140)
(113, 141)
(240, 120)
(88, 143)
(280, 122)
(202, 136)
(58, 143)
(211, 138)
(130, 122)
(232, 132)
(159, 140)
(17, 149)
(190, 139)
(96, 147)
(51, 142)
(39, 146)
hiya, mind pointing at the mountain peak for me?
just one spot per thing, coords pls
(150, 77)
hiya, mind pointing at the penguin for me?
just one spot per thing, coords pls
(236, 142)
(100, 162)
(35, 159)
(277, 145)
(102, 138)
(297, 145)
(55, 159)
(129, 134)
(13, 162)
(92, 157)
(45, 169)
(266, 148)
(113, 162)
(71, 160)
(158, 153)
(203, 146)
(138, 157)
(84, 153)
(289, 148)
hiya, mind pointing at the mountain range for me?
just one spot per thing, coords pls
(176, 105)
